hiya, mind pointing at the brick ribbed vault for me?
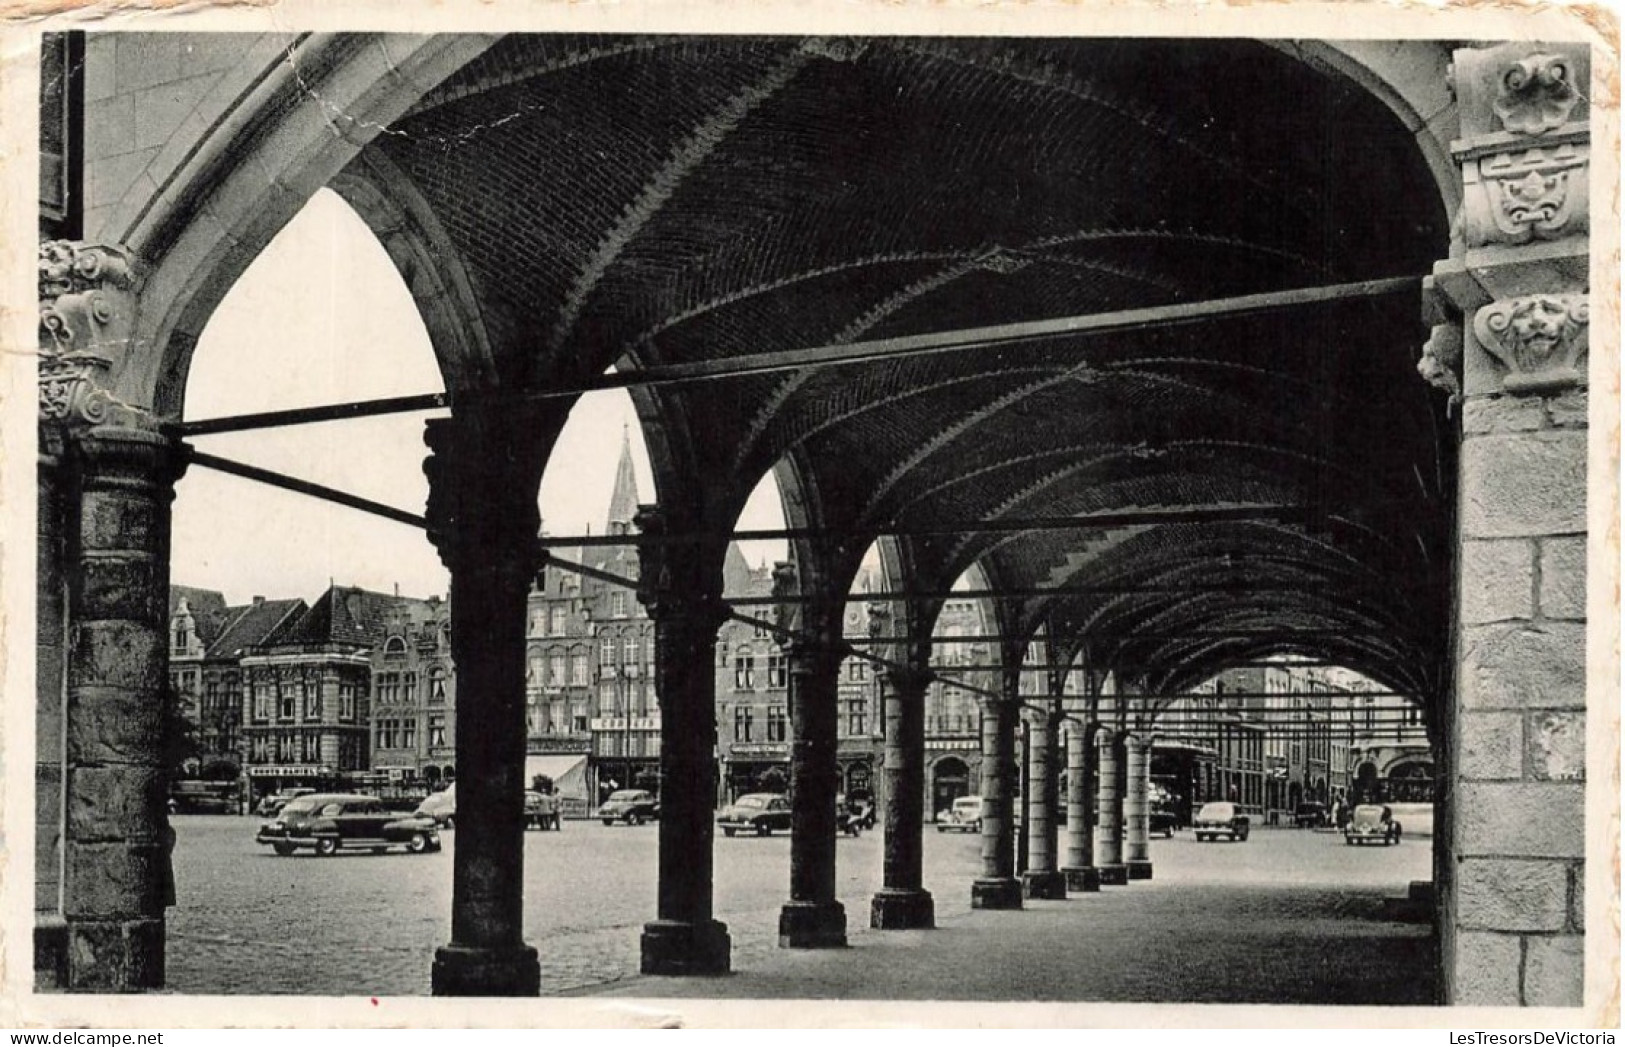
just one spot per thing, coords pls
(642, 201)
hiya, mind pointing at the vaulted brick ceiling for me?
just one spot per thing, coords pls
(642, 201)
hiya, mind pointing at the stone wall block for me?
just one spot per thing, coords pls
(110, 126)
(114, 726)
(1569, 410)
(145, 59)
(117, 654)
(1502, 414)
(1520, 819)
(1491, 745)
(116, 802)
(1540, 665)
(116, 955)
(114, 519)
(47, 835)
(1563, 578)
(124, 587)
(1577, 897)
(109, 881)
(1557, 746)
(1523, 486)
(1500, 895)
(1485, 969)
(1554, 971)
(1497, 580)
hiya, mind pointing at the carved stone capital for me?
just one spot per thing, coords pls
(1440, 365)
(87, 309)
(787, 610)
(668, 584)
(1541, 339)
(1537, 193)
(1524, 88)
(481, 513)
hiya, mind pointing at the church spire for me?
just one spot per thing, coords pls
(623, 503)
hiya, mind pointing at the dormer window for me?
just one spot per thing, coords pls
(394, 647)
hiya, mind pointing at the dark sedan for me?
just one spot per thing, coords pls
(327, 822)
(632, 806)
(759, 813)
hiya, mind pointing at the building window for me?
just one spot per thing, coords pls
(313, 747)
(313, 700)
(260, 749)
(437, 687)
(777, 724)
(578, 668)
(180, 639)
(347, 702)
(742, 723)
(287, 702)
(409, 688)
(578, 716)
(744, 671)
(533, 671)
(555, 619)
(262, 701)
(617, 603)
(287, 747)
(409, 733)
(629, 651)
(555, 670)
(538, 622)
(857, 718)
(394, 647)
(437, 732)
(606, 653)
(777, 670)
(857, 670)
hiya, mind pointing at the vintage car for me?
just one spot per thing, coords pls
(632, 806)
(1221, 818)
(441, 806)
(759, 813)
(272, 805)
(1310, 816)
(964, 815)
(1370, 823)
(328, 822)
(1164, 820)
(542, 811)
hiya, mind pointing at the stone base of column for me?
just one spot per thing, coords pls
(1082, 878)
(674, 947)
(116, 956)
(1051, 884)
(1113, 875)
(464, 971)
(50, 952)
(995, 894)
(895, 909)
(812, 925)
(1139, 869)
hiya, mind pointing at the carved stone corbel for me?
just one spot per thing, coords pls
(1440, 365)
(1541, 339)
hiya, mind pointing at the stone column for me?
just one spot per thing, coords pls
(1079, 870)
(1512, 314)
(483, 472)
(1041, 879)
(1109, 811)
(812, 918)
(106, 483)
(683, 598)
(902, 903)
(997, 887)
(1136, 808)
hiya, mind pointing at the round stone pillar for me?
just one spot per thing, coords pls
(1079, 868)
(116, 873)
(902, 903)
(483, 472)
(813, 918)
(682, 598)
(1041, 879)
(997, 887)
(1109, 811)
(1136, 808)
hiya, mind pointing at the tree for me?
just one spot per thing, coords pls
(181, 749)
(542, 783)
(772, 780)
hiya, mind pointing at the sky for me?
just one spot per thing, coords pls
(323, 317)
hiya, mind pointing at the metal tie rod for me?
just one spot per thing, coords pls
(885, 349)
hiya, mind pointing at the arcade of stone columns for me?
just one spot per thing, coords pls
(844, 260)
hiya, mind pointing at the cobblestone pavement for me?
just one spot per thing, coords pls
(1297, 910)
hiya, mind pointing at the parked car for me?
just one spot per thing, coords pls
(1221, 818)
(1369, 823)
(328, 822)
(1164, 820)
(441, 806)
(542, 811)
(1310, 816)
(272, 805)
(964, 815)
(632, 806)
(759, 813)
